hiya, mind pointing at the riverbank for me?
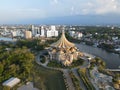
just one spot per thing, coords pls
(112, 60)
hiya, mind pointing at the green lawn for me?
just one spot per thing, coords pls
(46, 79)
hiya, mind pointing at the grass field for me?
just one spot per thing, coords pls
(46, 79)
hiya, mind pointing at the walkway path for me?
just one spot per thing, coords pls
(68, 79)
(27, 87)
(78, 77)
(91, 80)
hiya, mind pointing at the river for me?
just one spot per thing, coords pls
(6, 39)
(112, 60)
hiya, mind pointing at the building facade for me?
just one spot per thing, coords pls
(64, 51)
(28, 34)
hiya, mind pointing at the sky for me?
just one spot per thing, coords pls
(12, 11)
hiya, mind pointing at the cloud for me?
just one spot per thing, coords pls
(107, 6)
(54, 1)
(97, 7)
(21, 14)
(31, 13)
(58, 8)
(72, 10)
(85, 11)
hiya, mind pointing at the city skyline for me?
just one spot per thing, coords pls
(39, 11)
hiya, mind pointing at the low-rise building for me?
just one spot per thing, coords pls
(11, 82)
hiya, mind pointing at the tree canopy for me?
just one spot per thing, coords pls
(17, 63)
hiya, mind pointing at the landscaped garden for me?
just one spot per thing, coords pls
(85, 79)
(75, 81)
(56, 64)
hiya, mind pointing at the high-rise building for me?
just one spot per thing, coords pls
(48, 33)
(56, 33)
(32, 28)
(53, 27)
(42, 31)
(28, 34)
(52, 31)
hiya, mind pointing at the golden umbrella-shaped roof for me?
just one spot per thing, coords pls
(63, 42)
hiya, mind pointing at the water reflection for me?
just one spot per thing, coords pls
(112, 60)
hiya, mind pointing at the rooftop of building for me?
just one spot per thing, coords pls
(63, 42)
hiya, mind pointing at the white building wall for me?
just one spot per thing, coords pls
(42, 31)
(32, 28)
(56, 33)
(48, 33)
(51, 33)
(14, 33)
(53, 27)
(72, 33)
(80, 35)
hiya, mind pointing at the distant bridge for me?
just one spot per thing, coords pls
(114, 70)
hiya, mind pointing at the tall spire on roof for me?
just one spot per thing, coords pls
(63, 42)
